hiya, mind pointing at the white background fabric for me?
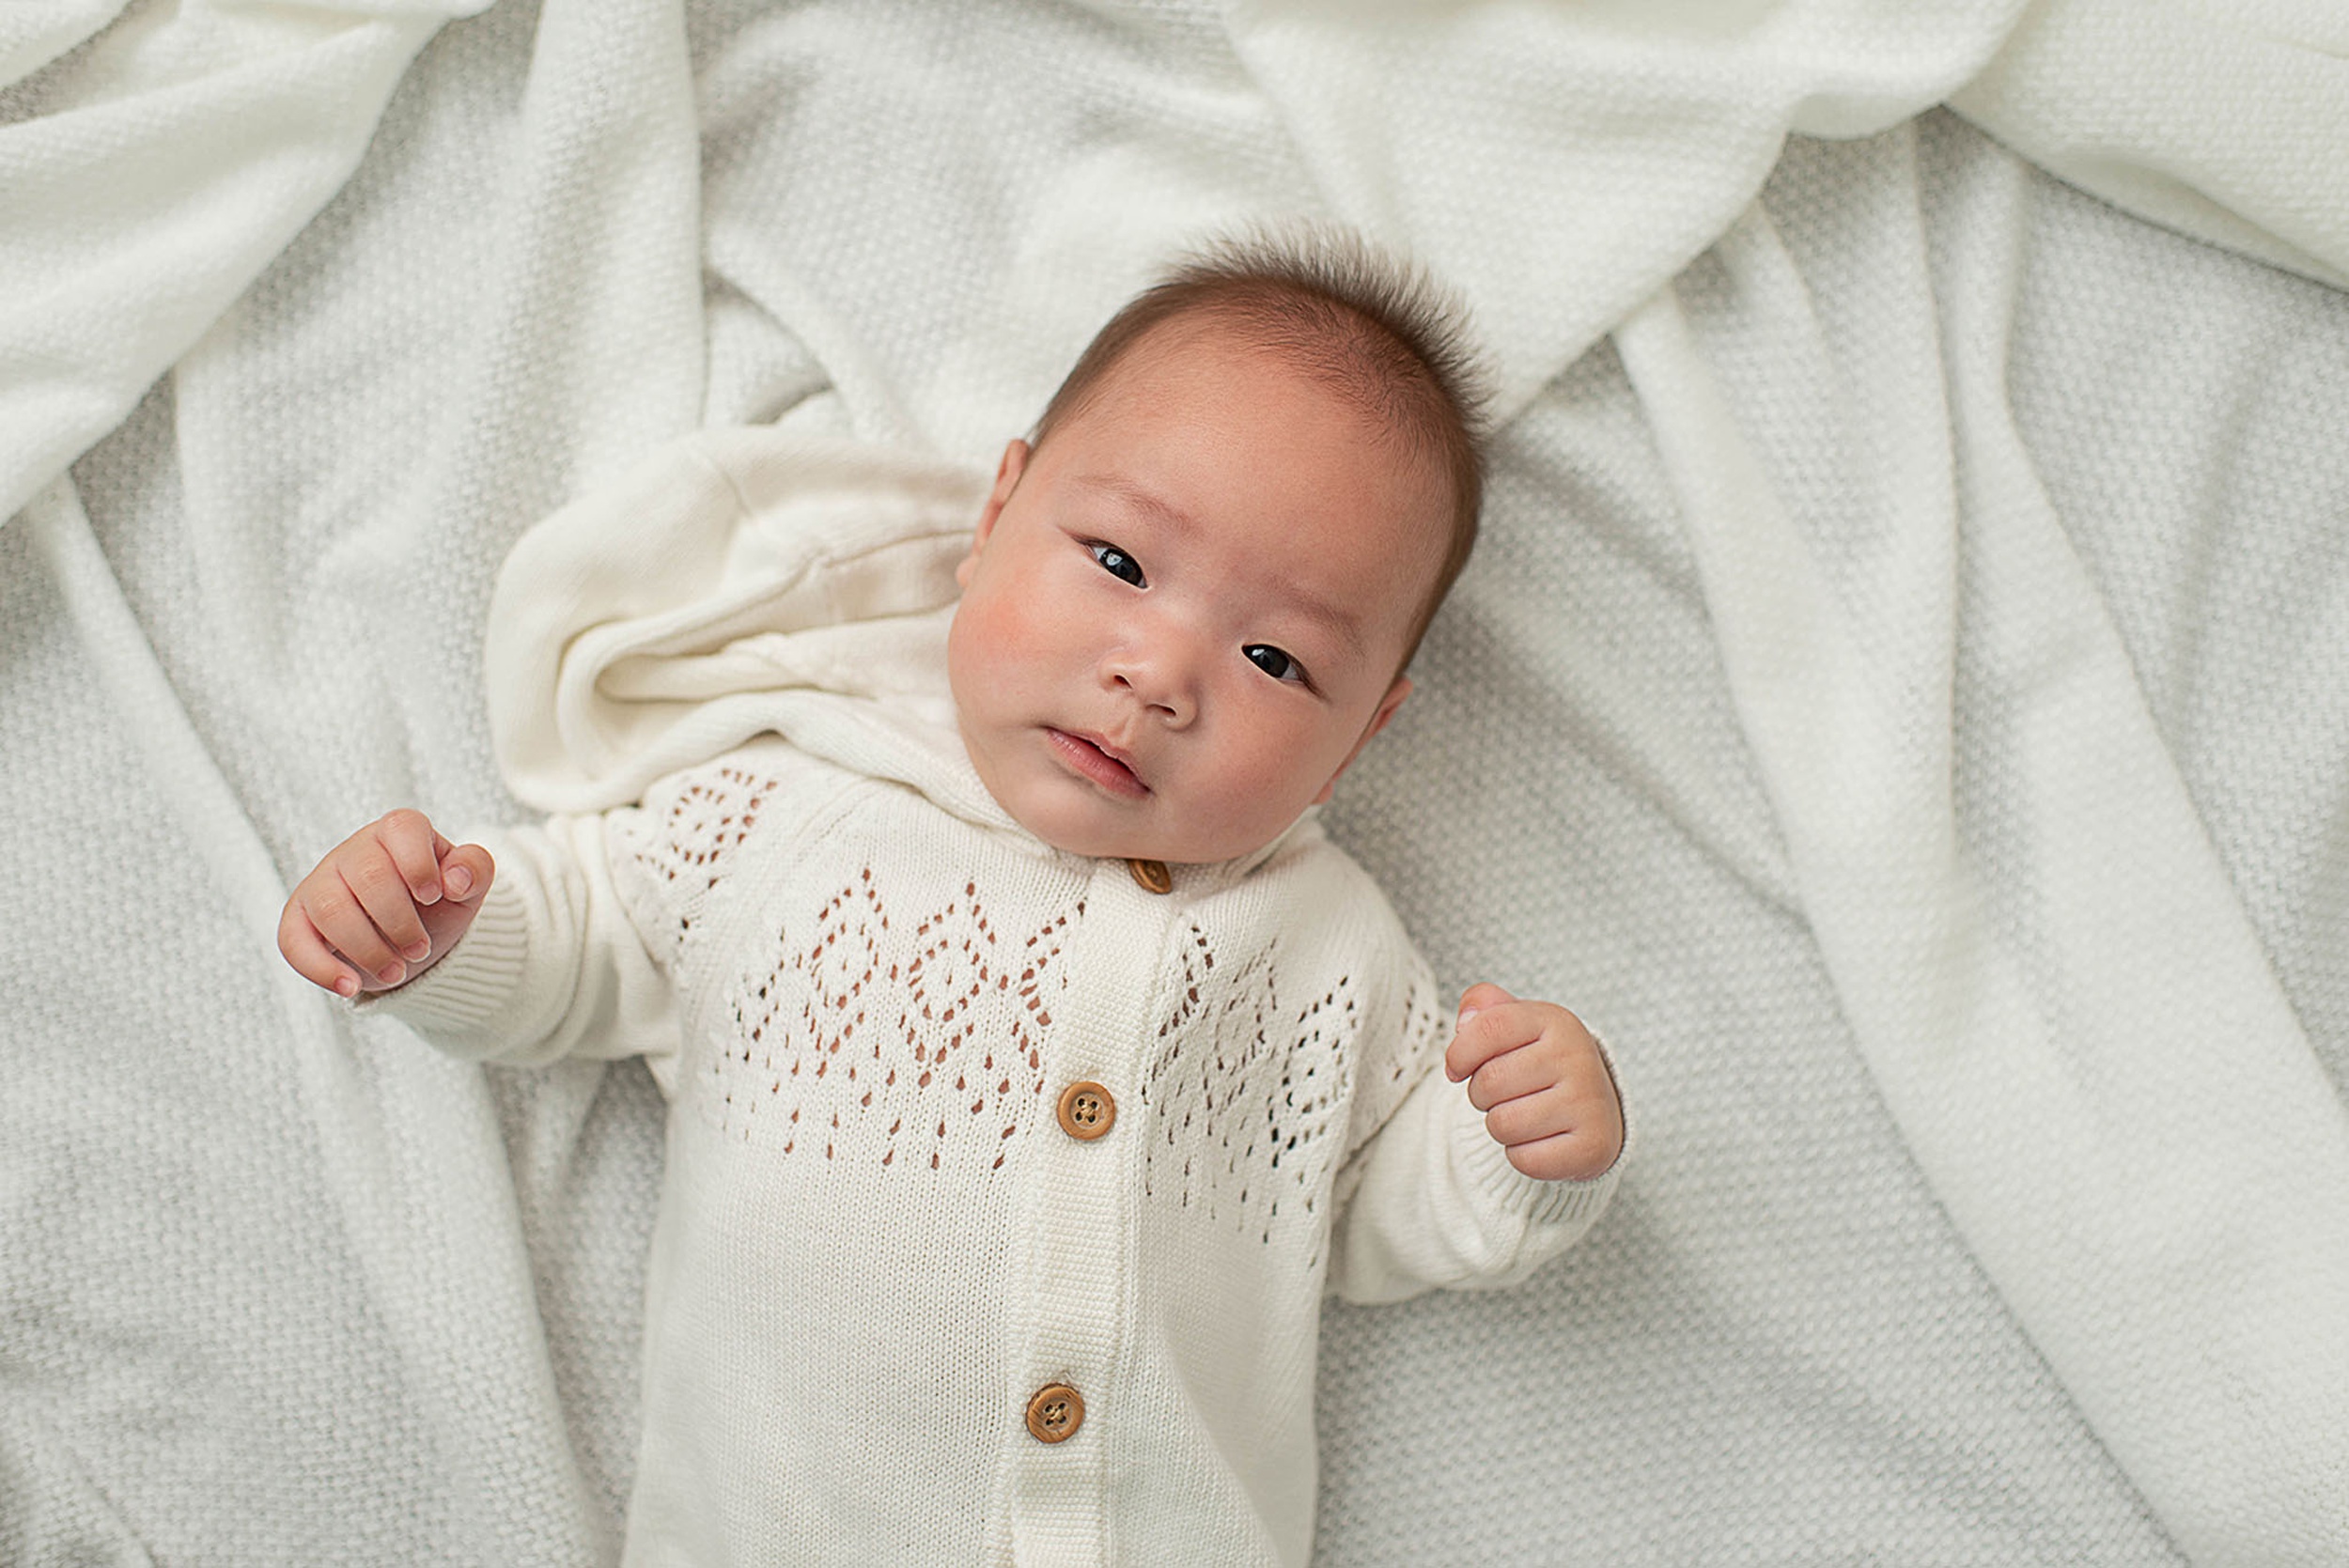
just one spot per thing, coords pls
(275, 1287)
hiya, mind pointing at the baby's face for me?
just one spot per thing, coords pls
(1183, 614)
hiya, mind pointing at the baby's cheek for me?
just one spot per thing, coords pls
(973, 649)
(1275, 780)
(997, 631)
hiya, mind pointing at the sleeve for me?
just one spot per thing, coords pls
(594, 927)
(1426, 1198)
(555, 963)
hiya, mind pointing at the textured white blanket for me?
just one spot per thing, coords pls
(1903, 697)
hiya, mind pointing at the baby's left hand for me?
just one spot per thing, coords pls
(1538, 1077)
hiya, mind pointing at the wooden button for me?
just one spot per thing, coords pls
(1086, 1111)
(1055, 1413)
(1152, 876)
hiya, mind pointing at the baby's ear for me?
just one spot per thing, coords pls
(1387, 704)
(1006, 480)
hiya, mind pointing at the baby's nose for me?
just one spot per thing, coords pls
(1162, 675)
(1160, 695)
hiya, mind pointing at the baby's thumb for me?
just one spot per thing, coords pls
(466, 872)
(1477, 997)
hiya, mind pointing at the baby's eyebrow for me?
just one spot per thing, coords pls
(1140, 500)
(1331, 617)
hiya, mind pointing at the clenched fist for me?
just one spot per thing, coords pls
(1541, 1081)
(382, 906)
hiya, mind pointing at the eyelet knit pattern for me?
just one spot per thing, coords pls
(1245, 1083)
(688, 842)
(858, 1040)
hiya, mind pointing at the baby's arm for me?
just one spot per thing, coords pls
(382, 906)
(550, 964)
(1474, 1180)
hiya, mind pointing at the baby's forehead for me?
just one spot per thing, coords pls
(1206, 347)
(1219, 346)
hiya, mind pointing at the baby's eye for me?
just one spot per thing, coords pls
(1118, 564)
(1273, 662)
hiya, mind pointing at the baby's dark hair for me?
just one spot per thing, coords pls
(1379, 330)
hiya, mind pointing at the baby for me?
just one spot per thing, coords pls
(1028, 1092)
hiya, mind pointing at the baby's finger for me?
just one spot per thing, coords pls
(1571, 1131)
(312, 955)
(377, 887)
(1566, 1156)
(1502, 1027)
(1506, 1077)
(413, 845)
(1481, 996)
(466, 871)
(329, 903)
(1544, 1114)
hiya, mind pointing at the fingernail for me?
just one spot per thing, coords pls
(459, 883)
(347, 985)
(390, 973)
(417, 949)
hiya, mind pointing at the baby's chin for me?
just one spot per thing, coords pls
(1075, 834)
(1082, 832)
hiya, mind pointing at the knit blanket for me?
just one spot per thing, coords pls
(1902, 698)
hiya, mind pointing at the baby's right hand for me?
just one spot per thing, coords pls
(382, 906)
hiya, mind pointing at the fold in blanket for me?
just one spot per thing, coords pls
(2084, 1044)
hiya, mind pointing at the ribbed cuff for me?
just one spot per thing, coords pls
(1543, 1203)
(465, 1003)
(1572, 1204)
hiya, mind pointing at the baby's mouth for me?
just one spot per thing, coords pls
(1091, 760)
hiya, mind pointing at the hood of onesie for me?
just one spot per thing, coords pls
(737, 583)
